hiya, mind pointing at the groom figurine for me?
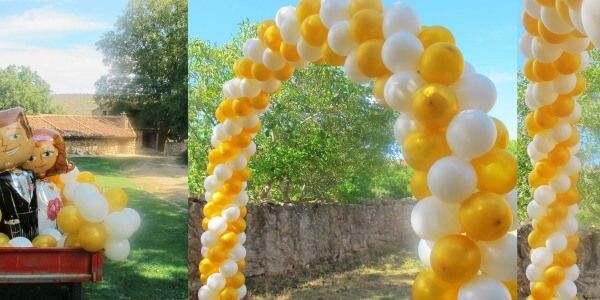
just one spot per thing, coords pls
(17, 187)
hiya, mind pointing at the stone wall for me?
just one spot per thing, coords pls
(175, 148)
(101, 146)
(588, 254)
(285, 239)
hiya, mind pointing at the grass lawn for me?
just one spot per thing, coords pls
(384, 276)
(157, 265)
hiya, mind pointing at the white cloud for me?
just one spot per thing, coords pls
(73, 68)
(47, 20)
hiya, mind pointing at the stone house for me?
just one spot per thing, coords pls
(91, 135)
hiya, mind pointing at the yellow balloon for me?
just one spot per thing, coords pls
(284, 73)
(217, 253)
(435, 34)
(554, 275)
(92, 237)
(455, 259)
(366, 25)
(530, 24)
(544, 117)
(44, 241)
(429, 286)
(86, 176)
(72, 241)
(261, 72)
(496, 171)
(289, 52)
(207, 267)
(441, 63)
(566, 258)
(550, 36)
(272, 38)
(418, 185)
(559, 156)
(512, 288)
(544, 71)
(243, 68)
(421, 148)
(502, 138)
(229, 239)
(117, 199)
(434, 105)
(545, 169)
(69, 219)
(228, 293)
(4, 239)
(236, 281)
(579, 86)
(568, 63)
(262, 28)
(542, 291)
(331, 58)
(307, 8)
(313, 31)
(528, 71)
(563, 106)
(485, 216)
(368, 58)
(359, 5)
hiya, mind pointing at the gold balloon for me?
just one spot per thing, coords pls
(541, 290)
(550, 36)
(528, 71)
(359, 5)
(228, 293)
(69, 219)
(496, 171)
(441, 63)
(544, 117)
(435, 34)
(512, 288)
(284, 73)
(4, 239)
(272, 38)
(92, 237)
(313, 31)
(307, 8)
(236, 281)
(455, 259)
(485, 216)
(530, 24)
(117, 199)
(86, 176)
(544, 71)
(229, 239)
(331, 58)
(378, 88)
(368, 58)
(44, 241)
(502, 138)
(207, 267)
(243, 68)
(289, 52)
(72, 241)
(261, 72)
(554, 275)
(421, 148)
(559, 156)
(563, 106)
(418, 185)
(568, 63)
(434, 105)
(262, 28)
(366, 25)
(429, 286)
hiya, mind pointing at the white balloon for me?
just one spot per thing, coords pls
(204, 251)
(134, 217)
(400, 17)
(242, 291)
(484, 287)
(228, 268)
(544, 143)
(52, 232)
(352, 71)
(223, 172)
(544, 51)
(20, 242)
(433, 219)
(534, 273)
(284, 13)
(573, 166)
(475, 91)
(92, 205)
(218, 225)
(70, 188)
(569, 226)
(399, 88)
(468, 69)
(533, 8)
(564, 84)
(544, 195)
(401, 52)
(334, 11)
(576, 45)
(209, 238)
(534, 210)
(530, 99)
(273, 60)
(117, 250)
(308, 52)
(556, 242)
(471, 134)
(231, 213)
(235, 88)
(585, 61)
(211, 183)
(561, 183)
(339, 39)
(525, 45)
(567, 289)
(254, 49)
(575, 115)
(534, 154)
(250, 87)
(241, 238)
(241, 199)
(541, 257)
(575, 16)
(544, 93)
(424, 250)
(499, 258)
(216, 281)
(572, 273)
(237, 253)
(270, 86)
(554, 22)
(402, 127)
(590, 18)
(451, 179)
(118, 226)
(205, 293)
(290, 31)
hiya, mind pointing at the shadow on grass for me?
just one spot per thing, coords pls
(387, 274)
(157, 265)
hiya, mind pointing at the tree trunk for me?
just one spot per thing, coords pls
(162, 137)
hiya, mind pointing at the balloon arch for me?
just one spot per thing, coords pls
(464, 177)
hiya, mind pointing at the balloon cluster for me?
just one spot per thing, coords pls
(464, 176)
(555, 44)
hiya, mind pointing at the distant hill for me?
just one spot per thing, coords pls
(75, 104)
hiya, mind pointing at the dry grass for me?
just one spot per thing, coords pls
(387, 275)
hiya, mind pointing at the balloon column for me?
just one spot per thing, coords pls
(557, 38)
(464, 176)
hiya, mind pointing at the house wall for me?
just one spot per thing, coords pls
(95, 146)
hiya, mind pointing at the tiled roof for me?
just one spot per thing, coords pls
(85, 126)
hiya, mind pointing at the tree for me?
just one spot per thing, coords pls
(147, 55)
(20, 86)
(323, 138)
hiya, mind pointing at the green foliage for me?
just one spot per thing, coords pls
(147, 55)
(20, 86)
(324, 138)
(589, 127)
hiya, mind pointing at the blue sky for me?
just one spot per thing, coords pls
(57, 39)
(486, 32)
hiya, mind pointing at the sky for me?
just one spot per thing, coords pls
(57, 39)
(486, 32)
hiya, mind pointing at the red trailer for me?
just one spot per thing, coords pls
(67, 266)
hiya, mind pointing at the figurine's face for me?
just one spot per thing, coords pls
(43, 159)
(15, 146)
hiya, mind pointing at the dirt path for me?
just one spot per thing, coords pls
(162, 176)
